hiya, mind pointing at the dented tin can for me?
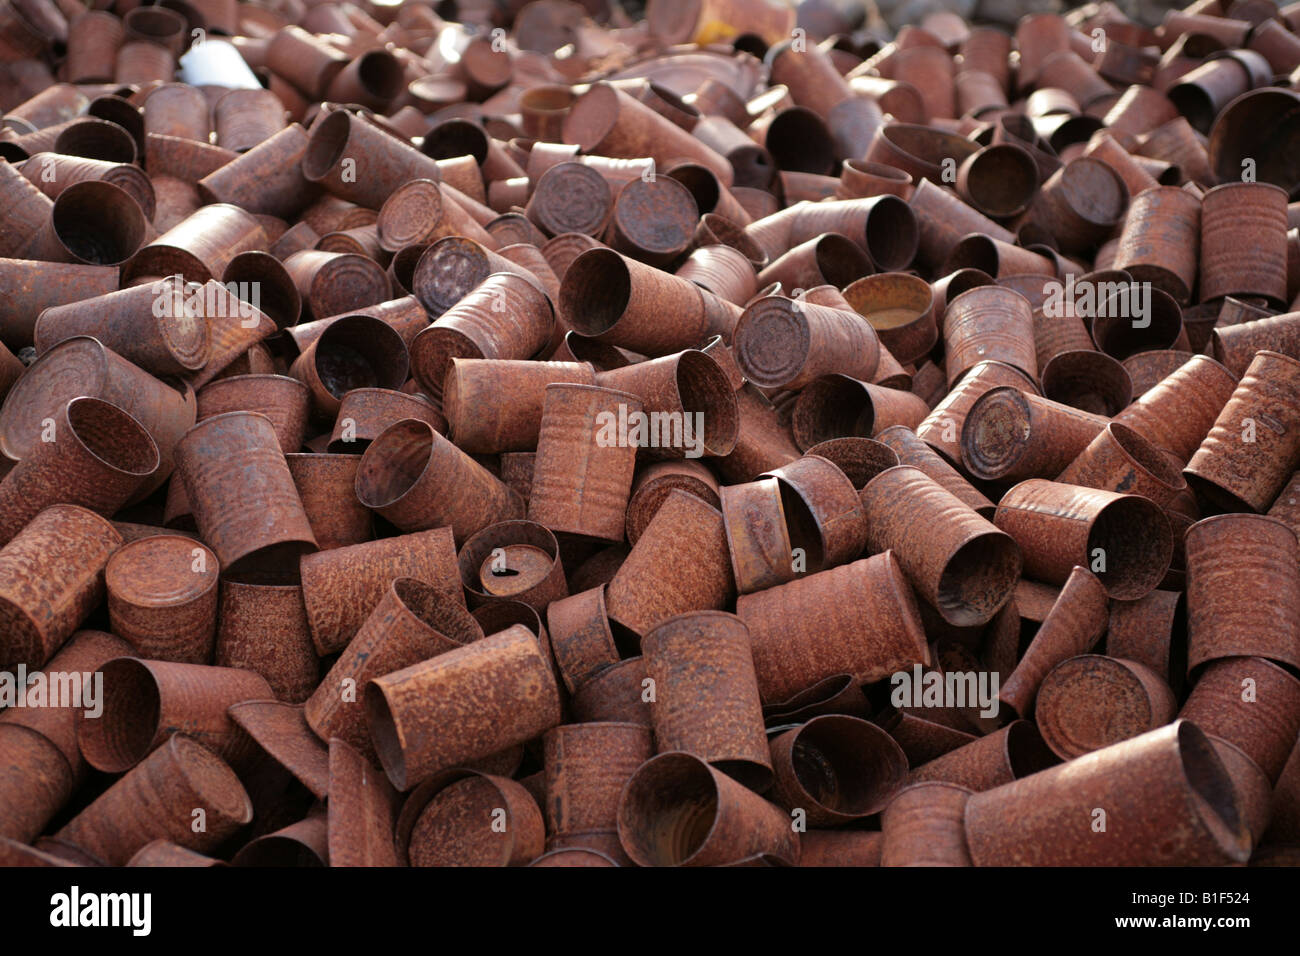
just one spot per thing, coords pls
(1231, 614)
(679, 564)
(728, 821)
(417, 479)
(859, 619)
(343, 585)
(1092, 701)
(263, 628)
(922, 826)
(988, 323)
(413, 622)
(145, 701)
(1166, 796)
(964, 566)
(51, 577)
(1263, 726)
(1247, 457)
(582, 476)
(1127, 538)
(451, 820)
(702, 657)
(1014, 751)
(242, 492)
(859, 768)
(157, 799)
(514, 695)
(513, 560)
(1179, 411)
(162, 598)
(94, 455)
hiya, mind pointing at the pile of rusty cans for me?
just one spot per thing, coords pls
(715, 434)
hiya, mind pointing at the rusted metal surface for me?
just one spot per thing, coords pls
(156, 800)
(364, 413)
(988, 324)
(1089, 702)
(859, 619)
(1243, 245)
(449, 821)
(962, 565)
(325, 486)
(96, 456)
(1121, 460)
(706, 656)
(56, 721)
(676, 810)
(496, 405)
(51, 577)
(1167, 798)
(36, 780)
(1144, 631)
(301, 844)
(362, 811)
(1014, 751)
(690, 386)
(1127, 538)
(357, 351)
(168, 854)
(1090, 381)
(581, 478)
(1179, 411)
(162, 598)
(418, 480)
(615, 693)
(1252, 704)
(861, 459)
(227, 462)
(623, 302)
(838, 406)
(1246, 458)
(83, 366)
(922, 826)
(826, 517)
(915, 453)
(342, 586)
(513, 560)
(263, 628)
(1231, 613)
(586, 768)
(1075, 622)
(501, 315)
(281, 731)
(837, 769)
(413, 622)
(679, 564)
(758, 534)
(495, 692)
(882, 278)
(146, 701)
